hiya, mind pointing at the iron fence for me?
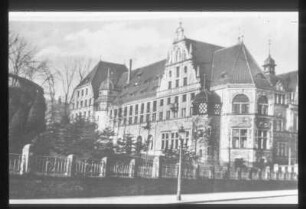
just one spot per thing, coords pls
(47, 165)
(15, 163)
(169, 170)
(87, 168)
(145, 168)
(119, 168)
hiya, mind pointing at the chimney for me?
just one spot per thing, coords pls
(129, 72)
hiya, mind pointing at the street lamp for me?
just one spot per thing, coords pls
(181, 132)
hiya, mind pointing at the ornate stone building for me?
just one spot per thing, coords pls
(230, 108)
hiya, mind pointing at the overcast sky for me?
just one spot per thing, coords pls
(146, 37)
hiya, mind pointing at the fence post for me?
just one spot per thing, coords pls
(156, 170)
(266, 173)
(25, 159)
(132, 168)
(103, 169)
(70, 165)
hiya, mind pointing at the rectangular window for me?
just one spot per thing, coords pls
(82, 92)
(169, 85)
(77, 105)
(177, 71)
(170, 73)
(89, 102)
(131, 110)
(169, 100)
(161, 102)
(86, 91)
(125, 111)
(135, 119)
(154, 106)
(136, 109)
(163, 144)
(142, 108)
(147, 117)
(167, 144)
(85, 102)
(120, 112)
(239, 138)
(78, 93)
(183, 112)
(154, 117)
(262, 139)
(263, 109)
(184, 98)
(81, 103)
(141, 119)
(185, 69)
(115, 113)
(160, 115)
(192, 95)
(130, 120)
(176, 99)
(185, 81)
(177, 83)
(148, 106)
(168, 115)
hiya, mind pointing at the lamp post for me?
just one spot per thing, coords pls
(181, 132)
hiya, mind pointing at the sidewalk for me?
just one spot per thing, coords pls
(166, 199)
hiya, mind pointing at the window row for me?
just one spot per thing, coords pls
(80, 104)
(177, 83)
(83, 114)
(279, 98)
(282, 149)
(140, 108)
(82, 92)
(130, 120)
(178, 71)
(241, 105)
(171, 140)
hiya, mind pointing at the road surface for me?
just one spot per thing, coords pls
(257, 197)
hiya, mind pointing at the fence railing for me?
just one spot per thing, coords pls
(119, 169)
(129, 167)
(47, 165)
(87, 168)
(15, 163)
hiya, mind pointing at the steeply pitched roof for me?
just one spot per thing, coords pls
(290, 80)
(235, 65)
(144, 82)
(99, 74)
(202, 54)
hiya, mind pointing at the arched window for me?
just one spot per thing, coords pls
(241, 104)
(263, 105)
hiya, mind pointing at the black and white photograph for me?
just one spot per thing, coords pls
(153, 107)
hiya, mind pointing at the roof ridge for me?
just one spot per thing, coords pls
(150, 64)
(232, 70)
(203, 42)
(247, 61)
(107, 62)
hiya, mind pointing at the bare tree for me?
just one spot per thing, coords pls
(22, 58)
(82, 67)
(48, 83)
(66, 74)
